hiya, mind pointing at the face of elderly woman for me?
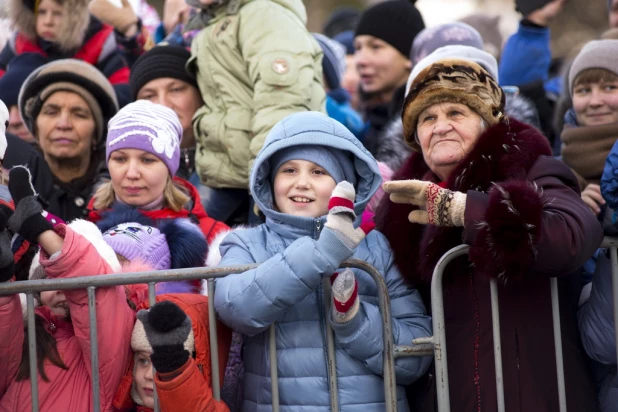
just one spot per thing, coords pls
(447, 132)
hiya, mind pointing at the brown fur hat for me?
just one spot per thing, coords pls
(75, 23)
(455, 81)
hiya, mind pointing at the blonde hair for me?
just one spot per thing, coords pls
(175, 196)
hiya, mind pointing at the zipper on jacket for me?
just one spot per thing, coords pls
(318, 228)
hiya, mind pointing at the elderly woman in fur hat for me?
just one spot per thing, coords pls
(489, 181)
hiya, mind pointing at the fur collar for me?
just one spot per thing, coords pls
(504, 152)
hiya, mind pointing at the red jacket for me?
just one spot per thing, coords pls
(190, 389)
(210, 227)
(71, 389)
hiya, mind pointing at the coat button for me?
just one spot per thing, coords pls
(79, 201)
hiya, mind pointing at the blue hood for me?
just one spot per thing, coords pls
(311, 128)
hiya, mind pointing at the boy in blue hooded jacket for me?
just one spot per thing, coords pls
(307, 157)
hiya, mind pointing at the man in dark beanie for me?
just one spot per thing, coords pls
(383, 40)
(159, 75)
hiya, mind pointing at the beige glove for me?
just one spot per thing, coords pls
(121, 18)
(439, 207)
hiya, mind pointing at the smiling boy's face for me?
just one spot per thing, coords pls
(302, 188)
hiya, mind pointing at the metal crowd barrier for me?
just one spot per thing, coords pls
(424, 346)
(91, 283)
(438, 340)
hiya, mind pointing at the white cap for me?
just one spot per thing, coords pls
(480, 57)
(4, 121)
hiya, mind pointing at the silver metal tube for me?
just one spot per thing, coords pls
(94, 349)
(555, 309)
(614, 260)
(330, 349)
(214, 344)
(495, 320)
(117, 279)
(34, 373)
(439, 330)
(388, 353)
(274, 378)
(402, 351)
(152, 299)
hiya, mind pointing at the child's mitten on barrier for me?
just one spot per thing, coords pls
(170, 334)
(345, 295)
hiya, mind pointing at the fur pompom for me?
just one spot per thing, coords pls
(505, 244)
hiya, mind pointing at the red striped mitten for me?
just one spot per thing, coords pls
(345, 296)
(341, 215)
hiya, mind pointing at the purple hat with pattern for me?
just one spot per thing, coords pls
(137, 242)
(146, 126)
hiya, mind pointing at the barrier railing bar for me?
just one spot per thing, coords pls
(151, 302)
(94, 348)
(274, 378)
(402, 351)
(34, 382)
(555, 309)
(495, 320)
(214, 348)
(439, 330)
(330, 349)
(119, 279)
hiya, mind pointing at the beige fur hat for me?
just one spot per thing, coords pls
(456, 81)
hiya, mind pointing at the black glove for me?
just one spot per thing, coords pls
(7, 267)
(169, 332)
(27, 220)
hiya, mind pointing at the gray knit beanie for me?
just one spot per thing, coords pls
(596, 54)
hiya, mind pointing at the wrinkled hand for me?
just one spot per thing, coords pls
(121, 18)
(345, 295)
(170, 334)
(28, 219)
(592, 196)
(439, 207)
(547, 13)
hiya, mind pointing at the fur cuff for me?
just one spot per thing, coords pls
(504, 246)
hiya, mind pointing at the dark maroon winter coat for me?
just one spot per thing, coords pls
(524, 222)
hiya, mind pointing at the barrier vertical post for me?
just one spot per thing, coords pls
(439, 330)
(34, 383)
(152, 299)
(274, 378)
(330, 349)
(94, 348)
(555, 309)
(214, 343)
(495, 319)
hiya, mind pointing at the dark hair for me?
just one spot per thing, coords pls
(45, 349)
(594, 76)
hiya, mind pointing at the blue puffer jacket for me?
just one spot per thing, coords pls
(287, 290)
(596, 327)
